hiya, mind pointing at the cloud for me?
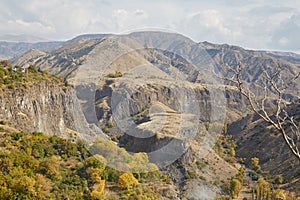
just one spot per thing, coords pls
(209, 24)
(286, 35)
(125, 19)
(250, 23)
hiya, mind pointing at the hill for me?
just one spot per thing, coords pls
(160, 93)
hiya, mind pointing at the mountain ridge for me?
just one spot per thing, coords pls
(150, 67)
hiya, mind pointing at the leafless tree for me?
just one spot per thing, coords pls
(278, 117)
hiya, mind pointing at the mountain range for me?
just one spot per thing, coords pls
(148, 91)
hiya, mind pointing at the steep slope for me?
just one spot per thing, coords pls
(288, 56)
(256, 138)
(36, 101)
(74, 53)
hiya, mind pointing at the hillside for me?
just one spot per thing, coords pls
(35, 101)
(76, 53)
(256, 138)
(159, 93)
(38, 166)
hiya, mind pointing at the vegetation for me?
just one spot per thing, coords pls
(264, 187)
(37, 166)
(278, 114)
(17, 77)
(225, 147)
(116, 74)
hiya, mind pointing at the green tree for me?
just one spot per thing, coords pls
(235, 188)
(50, 167)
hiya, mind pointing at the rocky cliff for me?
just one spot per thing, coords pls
(44, 107)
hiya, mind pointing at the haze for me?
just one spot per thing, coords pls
(269, 25)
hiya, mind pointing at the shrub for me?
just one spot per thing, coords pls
(278, 179)
(115, 75)
(127, 181)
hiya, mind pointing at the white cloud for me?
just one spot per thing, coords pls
(126, 19)
(270, 24)
(210, 21)
(283, 41)
(286, 35)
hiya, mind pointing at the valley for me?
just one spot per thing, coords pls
(152, 106)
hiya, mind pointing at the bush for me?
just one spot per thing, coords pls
(32, 69)
(278, 179)
(115, 75)
(127, 181)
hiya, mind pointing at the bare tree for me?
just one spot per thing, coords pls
(278, 117)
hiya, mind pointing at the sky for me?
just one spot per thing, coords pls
(252, 24)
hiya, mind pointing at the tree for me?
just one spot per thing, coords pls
(262, 189)
(278, 179)
(50, 167)
(5, 64)
(241, 175)
(235, 188)
(43, 187)
(127, 181)
(96, 161)
(279, 195)
(272, 84)
(255, 164)
(232, 152)
(23, 187)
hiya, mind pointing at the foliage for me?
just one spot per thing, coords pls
(15, 77)
(37, 166)
(116, 74)
(255, 162)
(235, 188)
(225, 147)
(127, 181)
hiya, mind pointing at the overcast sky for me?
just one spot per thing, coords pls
(255, 24)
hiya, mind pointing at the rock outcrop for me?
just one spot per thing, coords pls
(44, 107)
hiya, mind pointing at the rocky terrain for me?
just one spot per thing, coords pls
(44, 106)
(150, 90)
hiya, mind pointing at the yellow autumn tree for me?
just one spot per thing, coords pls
(127, 181)
(262, 189)
(50, 167)
(255, 163)
(98, 191)
(280, 195)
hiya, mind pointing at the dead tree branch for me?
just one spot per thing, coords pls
(280, 119)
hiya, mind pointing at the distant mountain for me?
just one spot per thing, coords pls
(89, 36)
(14, 45)
(65, 60)
(288, 56)
(21, 38)
(9, 50)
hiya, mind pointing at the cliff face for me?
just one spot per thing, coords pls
(43, 107)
